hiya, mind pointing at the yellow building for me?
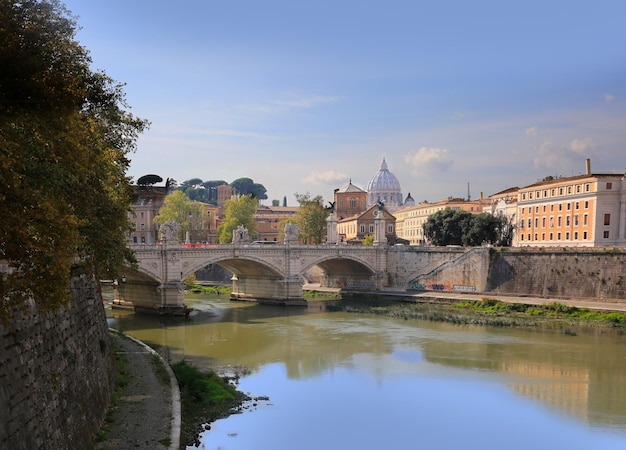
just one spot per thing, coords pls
(581, 211)
(410, 221)
(267, 220)
(145, 204)
(354, 229)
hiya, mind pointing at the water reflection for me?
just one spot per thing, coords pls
(351, 370)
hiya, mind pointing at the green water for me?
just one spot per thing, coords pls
(344, 380)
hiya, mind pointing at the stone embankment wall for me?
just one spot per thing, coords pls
(553, 273)
(56, 373)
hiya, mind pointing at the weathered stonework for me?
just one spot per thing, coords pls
(56, 373)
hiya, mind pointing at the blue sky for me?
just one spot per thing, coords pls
(303, 96)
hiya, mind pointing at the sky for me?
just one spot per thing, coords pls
(304, 96)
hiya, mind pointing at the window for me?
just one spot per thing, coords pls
(551, 236)
(522, 210)
(551, 208)
(371, 227)
(521, 237)
(535, 236)
(569, 189)
(558, 236)
(536, 209)
(586, 204)
(576, 235)
(577, 205)
(560, 207)
(543, 222)
(545, 193)
(353, 203)
(536, 222)
(143, 226)
(544, 208)
(609, 186)
(529, 236)
(585, 219)
(560, 191)
(585, 235)
(141, 215)
(567, 221)
(587, 187)
(530, 224)
(567, 236)
(543, 236)
(576, 220)
(362, 228)
(606, 234)
(569, 206)
(390, 228)
(523, 196)
(558, 221)
(578, 189)
(530, 195)
(607, 219)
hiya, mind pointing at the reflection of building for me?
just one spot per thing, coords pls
(145, 205)
(566, 389)
(385, 187)
(410, 220)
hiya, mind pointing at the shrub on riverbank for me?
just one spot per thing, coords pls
(205, 397)
(201, 289)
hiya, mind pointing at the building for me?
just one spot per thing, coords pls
(384, 187)
(145, 204)
(354, 229)
(268, 219)
(410, 220)
(586, 210)
(350, 200)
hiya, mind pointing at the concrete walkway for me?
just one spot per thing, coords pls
(147, 414)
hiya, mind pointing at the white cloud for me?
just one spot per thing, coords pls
(317, 178)
(532, 131)
(583, 147)
(428, 158)
(609, 97)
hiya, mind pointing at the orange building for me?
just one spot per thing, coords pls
(581, 211)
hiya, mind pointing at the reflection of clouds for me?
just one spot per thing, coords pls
(410, 356)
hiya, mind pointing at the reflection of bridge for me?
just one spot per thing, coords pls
(262, 273)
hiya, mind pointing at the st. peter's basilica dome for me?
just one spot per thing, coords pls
(385, 187)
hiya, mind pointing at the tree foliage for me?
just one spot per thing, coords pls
(201, 191)
(179, 208)
(149, 180)
(245, 186)
(65, 135)
(237, 211)
(311, 218)
(459, 227)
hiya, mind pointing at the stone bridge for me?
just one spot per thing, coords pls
(263, 273)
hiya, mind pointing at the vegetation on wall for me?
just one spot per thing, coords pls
(65, 135)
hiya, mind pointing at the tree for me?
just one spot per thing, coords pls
(65, 135)
(459, 227)
(179, 208)
(237, 211)
(311, 218)
(245, 186)
(149, 180)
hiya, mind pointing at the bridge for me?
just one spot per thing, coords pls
(262, 273)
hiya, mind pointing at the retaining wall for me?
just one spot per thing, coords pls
(56, 373)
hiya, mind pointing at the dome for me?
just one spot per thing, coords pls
(385, 187)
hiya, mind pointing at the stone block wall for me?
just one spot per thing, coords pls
(56, 373)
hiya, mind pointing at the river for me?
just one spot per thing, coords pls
(338, 380)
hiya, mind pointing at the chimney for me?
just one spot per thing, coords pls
(588, 166)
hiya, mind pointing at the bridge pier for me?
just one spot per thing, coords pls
(150, 297)
(267, 290)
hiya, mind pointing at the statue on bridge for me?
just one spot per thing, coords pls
(292, 231)
(169, 231)
(240, 235)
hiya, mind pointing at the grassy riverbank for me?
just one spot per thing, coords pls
(487, 312)
(205, 397)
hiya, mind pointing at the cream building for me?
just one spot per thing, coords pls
(581, 211)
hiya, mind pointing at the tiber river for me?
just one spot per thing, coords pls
(340, 380)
